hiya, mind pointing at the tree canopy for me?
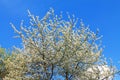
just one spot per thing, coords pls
(55, 48)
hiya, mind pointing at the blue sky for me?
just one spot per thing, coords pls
(102, 14)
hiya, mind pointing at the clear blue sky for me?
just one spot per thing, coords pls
(102, 14)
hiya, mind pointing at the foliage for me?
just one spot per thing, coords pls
(3, 70)
(16, 67)
(56, 48)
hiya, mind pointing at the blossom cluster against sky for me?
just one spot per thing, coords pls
(102, 14)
